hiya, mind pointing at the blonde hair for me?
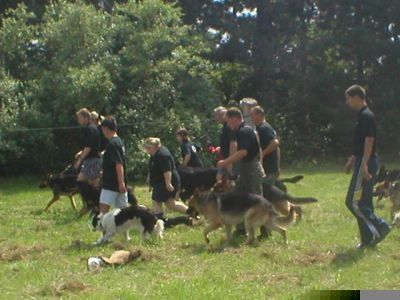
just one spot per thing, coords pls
(83, 112)
(94, 116)
(152, 142)
(219, 109)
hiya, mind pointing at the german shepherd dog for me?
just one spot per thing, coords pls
(62, 184)
(386, 187)
(280, 200)
(232, 208)
(206, 178)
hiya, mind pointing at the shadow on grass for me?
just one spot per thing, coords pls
(348, 258)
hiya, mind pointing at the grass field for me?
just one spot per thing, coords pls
(40, 256)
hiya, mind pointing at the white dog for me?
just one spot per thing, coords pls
(122, 220)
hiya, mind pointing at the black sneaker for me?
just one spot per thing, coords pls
(382, 235)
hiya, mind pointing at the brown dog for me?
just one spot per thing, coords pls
(232, 208)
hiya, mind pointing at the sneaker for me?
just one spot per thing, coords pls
(364, 245)
(383, 233)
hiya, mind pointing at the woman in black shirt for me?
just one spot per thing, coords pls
(163, 177)
(189, 151)
(88, 159)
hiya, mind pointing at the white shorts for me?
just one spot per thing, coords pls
(114, 199)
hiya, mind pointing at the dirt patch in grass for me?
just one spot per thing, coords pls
(43, 225)
(11, 253)
(60, 289)
(314, 257)
(80, 245)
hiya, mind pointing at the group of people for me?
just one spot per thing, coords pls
(250, 153)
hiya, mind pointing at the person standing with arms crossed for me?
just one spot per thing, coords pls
(269, 143)
(365, 162)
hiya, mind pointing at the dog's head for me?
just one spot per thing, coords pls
(46, 181)
(95, 221)
(382, 190)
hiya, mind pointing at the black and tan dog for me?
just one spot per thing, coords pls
(282, 201)
(61, 185)
(206, 178)
(390, 190)
(232, 208)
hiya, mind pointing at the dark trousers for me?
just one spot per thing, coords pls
(359, 201)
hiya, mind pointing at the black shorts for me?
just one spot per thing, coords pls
(161, 194)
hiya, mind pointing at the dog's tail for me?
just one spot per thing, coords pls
(302, 200)
(159, 229)
(294, 179)
(288, 220)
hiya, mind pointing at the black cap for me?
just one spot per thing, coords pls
(110, 123)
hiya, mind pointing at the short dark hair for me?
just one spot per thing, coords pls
(356, 90)
(110, 123)
(183, 133)
(234, 112)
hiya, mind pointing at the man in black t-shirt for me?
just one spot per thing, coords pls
(227, 141)
(88, 159)
(365, 162)
(247, 155)
(269, 143)
(114, 191)
(189, 151)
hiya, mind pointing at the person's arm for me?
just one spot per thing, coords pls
(232, 148)
(271, 147)
(186, 160)
(167, 179)
(80, 158)
(239, 155)
(119, 168)
(350, 164)
(368, 146)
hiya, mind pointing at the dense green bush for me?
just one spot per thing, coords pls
(139, 63)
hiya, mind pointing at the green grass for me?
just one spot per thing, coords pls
(39, 256)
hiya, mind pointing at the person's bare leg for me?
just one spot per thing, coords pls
(176, 205)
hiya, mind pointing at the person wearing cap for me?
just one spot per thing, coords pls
(164, 179)
(88, 159)
(269, 143)
(189, 151)
(96, 120)
(227, 140)
(114, 190)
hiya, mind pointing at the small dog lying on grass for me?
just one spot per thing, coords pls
(123, 220)
(232, 208)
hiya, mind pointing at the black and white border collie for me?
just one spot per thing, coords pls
(122, 220)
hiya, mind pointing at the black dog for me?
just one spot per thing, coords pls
(196, 178)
